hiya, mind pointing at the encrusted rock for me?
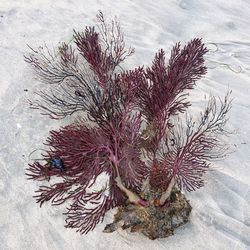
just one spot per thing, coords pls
(153, 221)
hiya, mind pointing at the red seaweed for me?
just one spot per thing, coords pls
(136, 135)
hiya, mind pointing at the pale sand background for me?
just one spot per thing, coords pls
(221, 210)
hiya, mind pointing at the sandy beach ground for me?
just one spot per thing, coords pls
(221, 210)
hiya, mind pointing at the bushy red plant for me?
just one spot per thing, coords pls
(137, 136)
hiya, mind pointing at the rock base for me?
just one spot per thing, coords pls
(153, 221)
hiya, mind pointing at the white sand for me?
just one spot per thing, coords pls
(221, 210)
